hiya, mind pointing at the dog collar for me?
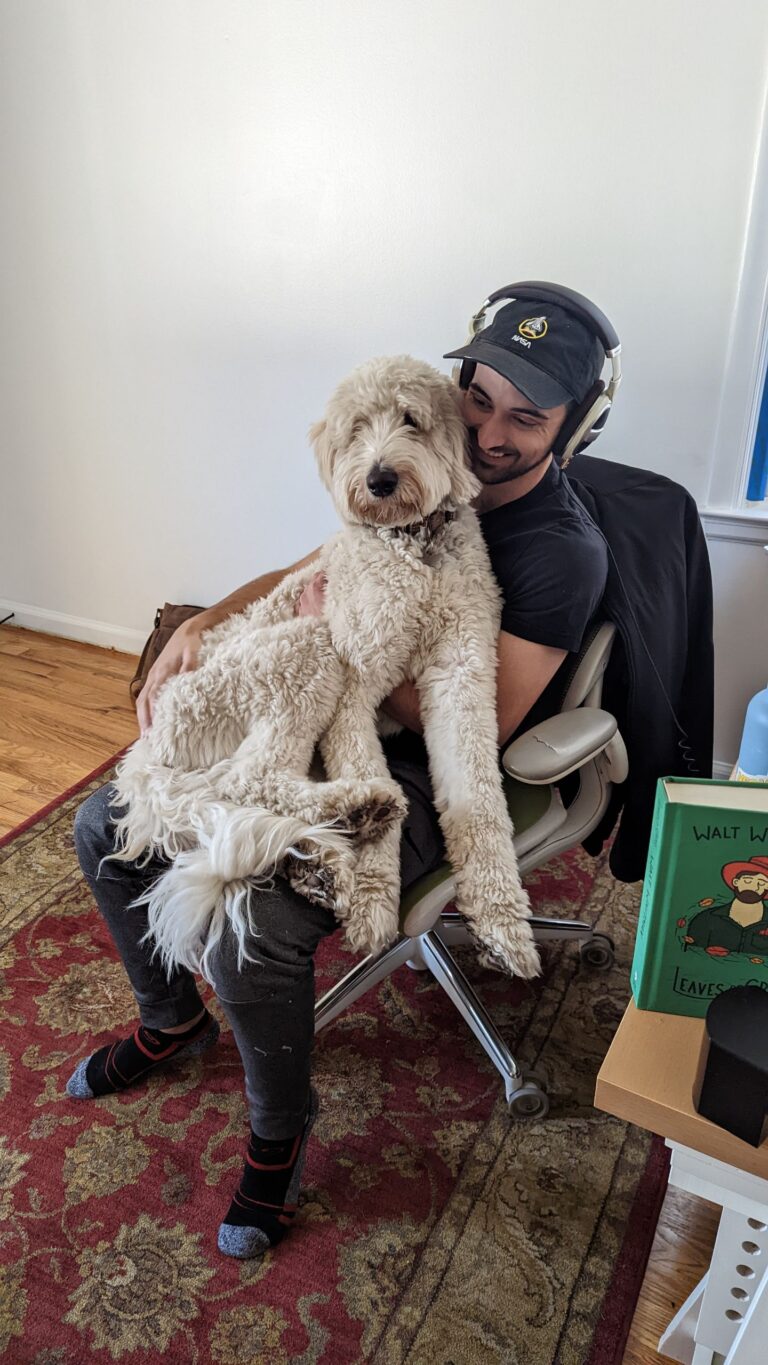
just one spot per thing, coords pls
(424, 533)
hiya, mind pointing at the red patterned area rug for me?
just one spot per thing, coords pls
(432, 1229)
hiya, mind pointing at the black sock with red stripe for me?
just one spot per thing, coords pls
(265, 1202)
(120, 1064)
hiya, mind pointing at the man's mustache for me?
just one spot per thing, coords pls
(477, 449)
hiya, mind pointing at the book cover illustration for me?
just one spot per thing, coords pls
(703, 924)
(737, 921)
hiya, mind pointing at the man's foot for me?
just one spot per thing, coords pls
(128, 1060)
(264, 1205)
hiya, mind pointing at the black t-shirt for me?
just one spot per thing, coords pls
(551, 564)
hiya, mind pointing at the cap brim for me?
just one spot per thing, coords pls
(533, 383)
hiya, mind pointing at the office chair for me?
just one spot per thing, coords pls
(582, 739)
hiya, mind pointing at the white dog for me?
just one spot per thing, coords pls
(221, 783)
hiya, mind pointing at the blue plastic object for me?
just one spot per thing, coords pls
(753, 754)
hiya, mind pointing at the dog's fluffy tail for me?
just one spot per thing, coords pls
(240, 847)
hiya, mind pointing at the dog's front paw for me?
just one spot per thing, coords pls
(511, 948)
(497, 910)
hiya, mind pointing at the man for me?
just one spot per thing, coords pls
(738, 925)
(550, 561)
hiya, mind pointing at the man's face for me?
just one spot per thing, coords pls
(508, 435)
(751, 886)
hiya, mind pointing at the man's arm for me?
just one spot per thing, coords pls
(181, 653)
(525, 669)
(251, 592)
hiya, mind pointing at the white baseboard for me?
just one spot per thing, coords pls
(132, 641)
(74, 627)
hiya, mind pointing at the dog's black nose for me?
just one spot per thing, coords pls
(381, 481)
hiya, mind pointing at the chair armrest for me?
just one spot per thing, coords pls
(559, 746)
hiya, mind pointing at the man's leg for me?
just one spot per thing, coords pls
(270, 1005)
(173, 1017)
(422, 847)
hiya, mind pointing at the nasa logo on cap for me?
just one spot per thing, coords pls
(533, 328)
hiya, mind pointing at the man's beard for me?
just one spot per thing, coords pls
(749, 897)
(504, 473)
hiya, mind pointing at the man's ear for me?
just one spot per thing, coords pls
(318, 435)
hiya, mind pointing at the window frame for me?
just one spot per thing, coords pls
(745, 382)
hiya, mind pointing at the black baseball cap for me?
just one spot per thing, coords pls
(546, 352)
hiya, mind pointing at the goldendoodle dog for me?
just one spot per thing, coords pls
(222, 784)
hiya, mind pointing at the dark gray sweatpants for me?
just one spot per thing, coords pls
(269, 1002)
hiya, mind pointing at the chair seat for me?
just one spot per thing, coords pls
(536, 812)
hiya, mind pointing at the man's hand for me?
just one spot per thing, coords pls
(312, 600)
(181, 653)
(179, 656)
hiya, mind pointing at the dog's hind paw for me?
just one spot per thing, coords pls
(363, 808)
(370, 821)
(311, 880)
(327, 883)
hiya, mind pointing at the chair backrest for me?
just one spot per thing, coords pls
(585, 685)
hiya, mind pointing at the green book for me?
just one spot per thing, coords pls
(703, 923)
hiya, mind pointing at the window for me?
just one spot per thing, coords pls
(757, 486)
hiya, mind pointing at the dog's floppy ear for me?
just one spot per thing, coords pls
(324, 453)
(464, 486)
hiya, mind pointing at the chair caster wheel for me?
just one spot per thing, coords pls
(599, 953)
(529, 1102)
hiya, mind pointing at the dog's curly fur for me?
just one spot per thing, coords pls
(221, 783)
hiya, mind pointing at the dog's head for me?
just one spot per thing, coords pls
(392, 446)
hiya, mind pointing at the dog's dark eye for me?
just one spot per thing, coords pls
(410, 421)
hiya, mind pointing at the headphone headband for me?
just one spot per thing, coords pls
(585, 423)
(589, 313)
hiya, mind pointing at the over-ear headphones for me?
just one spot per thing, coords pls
(586, 420)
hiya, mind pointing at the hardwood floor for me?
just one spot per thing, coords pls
(65, 709)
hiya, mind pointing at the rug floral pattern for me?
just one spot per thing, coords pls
(431, 1228)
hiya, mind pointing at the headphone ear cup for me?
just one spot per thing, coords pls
(466, 373)
(583, 425)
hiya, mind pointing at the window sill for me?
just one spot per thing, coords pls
(736, 523)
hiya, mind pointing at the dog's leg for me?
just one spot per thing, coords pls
(351, 747)
(362, 810)
(262, 796)
(301, 680)
(457, 697)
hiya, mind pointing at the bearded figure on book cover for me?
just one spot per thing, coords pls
(738, 924)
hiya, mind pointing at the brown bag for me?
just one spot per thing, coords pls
(167, 618)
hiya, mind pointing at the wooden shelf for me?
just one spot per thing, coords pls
(648, 1077)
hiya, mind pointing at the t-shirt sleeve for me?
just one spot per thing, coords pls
(552, 590)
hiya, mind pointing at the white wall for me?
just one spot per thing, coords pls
(213, 210)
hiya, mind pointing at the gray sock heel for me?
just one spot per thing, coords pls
(244, 1241)
(77, 1086)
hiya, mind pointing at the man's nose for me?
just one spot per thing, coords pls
(492, 433)
(382, 481)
